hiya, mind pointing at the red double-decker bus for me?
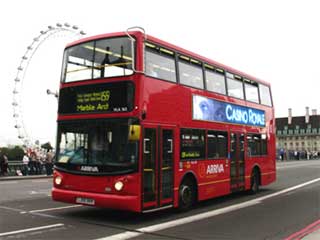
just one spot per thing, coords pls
(145, 125)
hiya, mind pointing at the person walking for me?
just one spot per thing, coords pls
(4, 164)
(38, 163)
(32, 163)
(48, 164)
(25, 161)
(1, 163)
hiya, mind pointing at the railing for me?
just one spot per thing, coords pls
(18, 168)
(14, 166)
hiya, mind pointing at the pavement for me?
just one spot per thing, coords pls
(308, 233)
(8, 178)
(312, 236)
(311, 232)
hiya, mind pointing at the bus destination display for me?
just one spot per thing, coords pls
(107, 97)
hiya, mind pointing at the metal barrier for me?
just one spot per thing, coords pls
(17, 168)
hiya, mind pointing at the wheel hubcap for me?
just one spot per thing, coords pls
(186, 194)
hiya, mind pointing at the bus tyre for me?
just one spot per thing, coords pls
(187, 195)
(255, 182)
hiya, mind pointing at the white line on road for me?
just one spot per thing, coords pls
(41, 180)
(40, 191)
(31, 229)
(52, 209)
(11, 209)
(8, 182)
(201, 216)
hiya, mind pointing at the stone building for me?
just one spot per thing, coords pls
(298, 137)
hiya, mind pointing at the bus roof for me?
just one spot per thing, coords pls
(174, 48)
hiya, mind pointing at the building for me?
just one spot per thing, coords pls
(298, 137)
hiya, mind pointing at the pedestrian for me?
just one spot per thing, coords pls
(4, 165)
(48, 164)
(25, 161)
(1, 163)
(282, 154)
(38, 163)
(32, 163)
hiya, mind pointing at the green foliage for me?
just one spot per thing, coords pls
(13, 153)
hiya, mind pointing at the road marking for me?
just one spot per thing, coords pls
(201, 216)
(40, 191)
(52, 209)
(11, 209)
(8, 182)
(305, 231)
(41, 181)
(31, 229)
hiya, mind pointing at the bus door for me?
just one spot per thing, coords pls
(237, 162)
(157, 167)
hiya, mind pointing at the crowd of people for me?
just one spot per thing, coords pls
(283, 154)
(34, 161)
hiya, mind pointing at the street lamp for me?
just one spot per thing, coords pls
(49, 92)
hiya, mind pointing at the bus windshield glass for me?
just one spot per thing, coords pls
(110, 57)
(97, 147)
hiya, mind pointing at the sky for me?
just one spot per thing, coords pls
(277, 41)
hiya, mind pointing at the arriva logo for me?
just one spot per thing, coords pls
(215, 168)
(89, 169)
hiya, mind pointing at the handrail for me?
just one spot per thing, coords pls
(139, 28)
(132, 46)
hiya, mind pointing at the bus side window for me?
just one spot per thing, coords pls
(235, 86)
(265, 95)
(190, 74)
(215, 82)
(251, 89)
(217, 144)
(160, 65)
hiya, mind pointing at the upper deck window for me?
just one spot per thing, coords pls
(160, 63)
(190, 72)
(251, 89)
(98, 59)
(235, 86)
(215, 80)
(265, 95)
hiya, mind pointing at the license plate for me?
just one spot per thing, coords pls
(87, 201)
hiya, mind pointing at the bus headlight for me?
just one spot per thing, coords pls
(58, 180)
(118, 185)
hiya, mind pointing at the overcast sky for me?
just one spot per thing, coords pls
(277, 41)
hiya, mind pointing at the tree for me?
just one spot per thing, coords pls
(13, 153)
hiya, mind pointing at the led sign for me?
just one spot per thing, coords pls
(212, 110)
(97, 98)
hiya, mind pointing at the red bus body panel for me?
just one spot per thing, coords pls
(100, 189)
(166, 103)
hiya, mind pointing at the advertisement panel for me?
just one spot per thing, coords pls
(208, 109)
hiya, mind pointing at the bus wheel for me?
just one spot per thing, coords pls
(187, 194)
(255, 182)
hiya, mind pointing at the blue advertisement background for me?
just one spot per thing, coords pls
(212, 110)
